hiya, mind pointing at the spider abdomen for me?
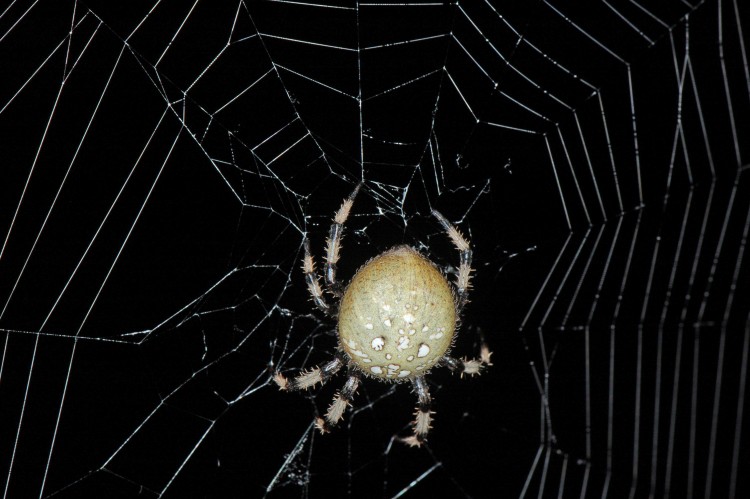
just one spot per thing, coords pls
(398, 315)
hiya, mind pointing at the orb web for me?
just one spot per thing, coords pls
(163, 163)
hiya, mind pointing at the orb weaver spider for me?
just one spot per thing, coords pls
(397, 319)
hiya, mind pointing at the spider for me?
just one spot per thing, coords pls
(397, 319)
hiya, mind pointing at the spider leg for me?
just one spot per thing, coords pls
(341, 401)
(313, 286)
(333, 243)
(464, 270)
(423, 414)
(469, 366)
(308, 379)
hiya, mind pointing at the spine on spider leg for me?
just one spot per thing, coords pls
(333, 243)
(311, 277)
(341, 401)
(468, 366)
(308, 379)
(463, 277)
(333, 246)
(423, 415)
(484, 350)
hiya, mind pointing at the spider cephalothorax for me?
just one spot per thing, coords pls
(397, 319)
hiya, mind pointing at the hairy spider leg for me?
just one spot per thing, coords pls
(311, 277)
(469, 366)
(333, 243)
(423, 414)
(308, 379)
(464, 270)
(341, 401)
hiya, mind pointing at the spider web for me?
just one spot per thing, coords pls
(163, 162)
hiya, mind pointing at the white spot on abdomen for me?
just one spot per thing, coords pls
(377, 343)
(404, 374)
(376, 370)
(423, 350)
(403, 343)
